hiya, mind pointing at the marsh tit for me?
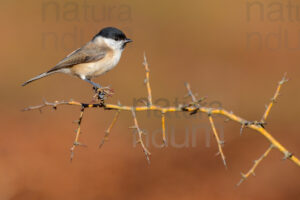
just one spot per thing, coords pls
(95, 58)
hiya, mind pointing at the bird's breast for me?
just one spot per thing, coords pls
(98, 68)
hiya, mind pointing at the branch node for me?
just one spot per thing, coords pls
(287, 155)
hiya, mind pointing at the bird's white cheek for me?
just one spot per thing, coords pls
(116, 45)
(117, 57)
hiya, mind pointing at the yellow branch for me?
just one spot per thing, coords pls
(256, 163)
(140, 135)
(107, 132)
(78, 131)
(147, 81)
(206, 110)
(163, 126)
(273, 100)
(217, 139)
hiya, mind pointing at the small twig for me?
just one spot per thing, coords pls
(163, 125)
(242, 127)
(195, 102)
(274, 99)
(190, 93)
(76, 143)
(248, 123)
(256, 163)
(219, 142)
(45, 104)
(140, 135)
(107, 132)
(147, 81)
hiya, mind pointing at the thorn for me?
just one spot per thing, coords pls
(241, 130)
(287, 155)
(145, 103)
(44, 100)
(239, 183)
(225, 164)
(243, 175)
(72, 156)
(119, 103)
(143, 133)
(79, 144)
(148, 160)
(165, 144)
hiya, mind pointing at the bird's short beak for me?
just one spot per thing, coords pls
(128, 40)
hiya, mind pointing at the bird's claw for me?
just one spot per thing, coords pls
(102, 92)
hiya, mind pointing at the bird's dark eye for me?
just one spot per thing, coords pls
(119, 37)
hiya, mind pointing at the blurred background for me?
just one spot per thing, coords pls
(233, 52)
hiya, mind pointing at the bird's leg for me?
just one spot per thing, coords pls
(96, 86)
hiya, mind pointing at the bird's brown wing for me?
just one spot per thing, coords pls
(87, 53)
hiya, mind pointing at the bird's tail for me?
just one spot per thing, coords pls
(38, 77)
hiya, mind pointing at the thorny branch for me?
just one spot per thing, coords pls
(274, 99)
(219, 142)
(107, 132)
(193, 108)
(78, 132)
(140, 134)
(163, 127)
(147, 81)
(256, 163)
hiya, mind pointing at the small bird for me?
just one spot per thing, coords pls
(95, 58)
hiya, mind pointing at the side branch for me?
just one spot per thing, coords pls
(219, 142)
(140, 136)
(163, 126)
(78, 132)
(107, 132)
(256, 163)
(147, 81)
(274, 99)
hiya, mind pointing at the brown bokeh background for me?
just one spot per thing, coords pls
(202, 42)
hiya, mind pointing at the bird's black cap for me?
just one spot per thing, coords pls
(112, 33)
